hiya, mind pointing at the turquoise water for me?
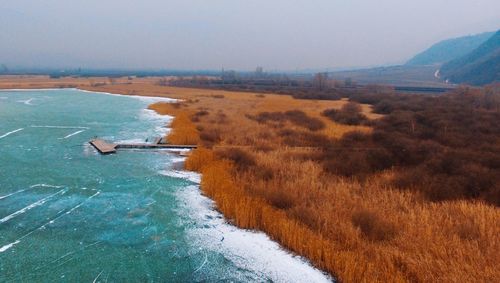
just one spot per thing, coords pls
(68, 214)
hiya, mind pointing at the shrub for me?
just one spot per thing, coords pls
(330, 94)
(351, 107)
(210, 136)
(349, 114)
(242, 159)
(343, 163)
(201, 113)
(468, 229)
(264, 117)
(373, 227)
(264, 146)
(296, 117)
(176, 105)
(263, 172)
(221, 118)
(278, 198)
(302, 138)
(300, 118)
(355, 137)
(383, 107)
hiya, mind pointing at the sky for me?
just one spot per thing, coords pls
(234, 34)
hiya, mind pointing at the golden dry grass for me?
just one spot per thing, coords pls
(183, 131)
(358, 231)
(446, 242)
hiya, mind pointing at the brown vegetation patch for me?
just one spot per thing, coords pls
(349, 114)
(373, 226)
(241, 159)
(296, 117)
(291, 182)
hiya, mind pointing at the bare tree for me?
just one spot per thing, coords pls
(162, 82)
(348, 82)
(259, 72)
(320, 81)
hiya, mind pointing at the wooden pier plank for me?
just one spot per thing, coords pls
(107, 148)
(154, 145)
(103, 147)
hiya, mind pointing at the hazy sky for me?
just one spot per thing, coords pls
(236, 34)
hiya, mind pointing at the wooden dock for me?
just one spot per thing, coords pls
(107, 148)
(152, 145)
(103, 147)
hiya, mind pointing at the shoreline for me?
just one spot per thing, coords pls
(142, 97)
(263, 240)
(196, 177)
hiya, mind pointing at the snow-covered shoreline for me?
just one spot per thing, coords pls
(250, 250)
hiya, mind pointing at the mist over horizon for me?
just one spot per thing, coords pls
(202, 35)
(249, 141)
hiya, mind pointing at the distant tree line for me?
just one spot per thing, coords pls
(318, 86)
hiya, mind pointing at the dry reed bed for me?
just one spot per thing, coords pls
(358, 231)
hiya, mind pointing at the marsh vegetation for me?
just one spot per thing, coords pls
(385, 200)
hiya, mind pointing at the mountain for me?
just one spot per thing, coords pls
(450, 49)
(480, 66)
